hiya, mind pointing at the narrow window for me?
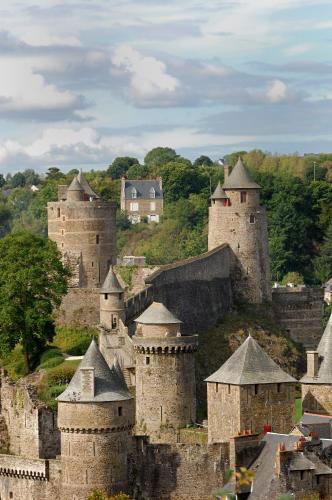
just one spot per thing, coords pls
(147, 360)
(86, 476)
(152, 206)
(152, 193)
(97, 239)
(243, 196)
(278, 387)
(229, 388)
(114, 321)
(134, 193)
(105, 296)
(10, 494)
(301, 474)
(256, 388)
(161, 414)
(252, 219)
(59, 212)
(94, 449)
(119, 411)
(62, 232)
(216, 386)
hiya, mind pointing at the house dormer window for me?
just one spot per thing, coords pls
(152, 192)
(134, 193)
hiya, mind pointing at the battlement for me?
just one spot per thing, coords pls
(170, 345)
(23, 468)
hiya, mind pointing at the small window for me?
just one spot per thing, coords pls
(10, 494)
(229, 388)
(152, 193)
(91, 264)
(256, 388)
(243, 196)
(134, 193)
(216, 386)
(114, 321)
(59, 212)
(105, 296)
(301, 474)
(147, 360)
(120, 411)
(227, 202)
(152, 206)
(62, 232)
(134, 207)
(97, 239)
(278, 387)
(63, 218)
(252, 219)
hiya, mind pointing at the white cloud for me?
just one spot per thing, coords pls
(277, 91)
(296, 50)
(148, 75)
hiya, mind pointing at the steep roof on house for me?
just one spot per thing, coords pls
(239, 178)
(219, 193)
(250, 364)
(111, 283)
(157, 314)
(109, 384)
(75, 185)
(143, 187)
(324, 349)
(86, 186)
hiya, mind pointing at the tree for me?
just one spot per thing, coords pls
(32, 283)
(54, 173)
(181, 179)
(294, 278)
(203, 160)
(18, 180)
(121, 165)
(323, 263)
(2, 181)
(159, 156)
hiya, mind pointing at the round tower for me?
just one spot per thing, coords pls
(112, 307)
(236, 218)
(95, 418)
(165, 375)
(83, 227)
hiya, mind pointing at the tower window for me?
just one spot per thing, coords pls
(227, 202)
(97, 239)
(120, 411)
(147, 360)
(216, 386)
(114, 321)
(91, 264)
(59, 213)
(256, 388)
(252, 219)
(105, 296)
(243, 196)
(229, 388)
(278, 387)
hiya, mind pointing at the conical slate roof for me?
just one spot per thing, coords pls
(324, 349)
(219, 193)
(157, 314)
(109, 385)
(86, 186)
(111, 283)
(239, 178)
(75, 185)
(249, 364)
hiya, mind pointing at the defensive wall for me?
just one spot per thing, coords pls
(300, 311)
(80, 306)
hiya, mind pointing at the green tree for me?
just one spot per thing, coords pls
(323, 263)
(294, 278)
(32, 283)
(181, 179)
(54, 173)
(121, 165)
(203, 160)
(2, 181)
(159, 156)
(18, 180)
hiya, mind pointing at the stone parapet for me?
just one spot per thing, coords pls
(170, 345)
(19, 467)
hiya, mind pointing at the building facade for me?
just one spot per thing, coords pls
(142, 199)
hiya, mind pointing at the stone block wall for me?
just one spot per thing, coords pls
(300, 311)
(178, 471)
(79, 307)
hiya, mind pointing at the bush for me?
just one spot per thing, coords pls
(74, 341)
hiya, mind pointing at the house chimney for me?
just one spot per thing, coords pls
(227, 171)
(312, 363)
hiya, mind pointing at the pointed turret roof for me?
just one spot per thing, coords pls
(219, 193)
(111, 283)
(239, 178)
(75, 185)
(86, 186)
(249, 364)
(324, 349)
(157, 314)
(109, 385)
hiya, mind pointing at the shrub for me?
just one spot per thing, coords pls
(74, 341)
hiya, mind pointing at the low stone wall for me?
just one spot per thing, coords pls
(178, 471)
(79, 307)
(300, 311)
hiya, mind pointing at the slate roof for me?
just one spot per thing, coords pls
(142, 187)
(86, 186)
(111, 283)
(75, 185)
(157, 314)
(219, 193)
(250, 364)
(239, 178)
(109, 384)
(324, 349)
(300, 462)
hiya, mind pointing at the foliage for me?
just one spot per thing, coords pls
(203, 160)
(126, 273)
(32, 283)
(323, 262)
(74, 340)
(121, 165)
(294, 278)
(243, 478)
(102, 495)
(160, 156)
(54, 382)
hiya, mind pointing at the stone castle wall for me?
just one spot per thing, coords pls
(300, 311)
(79, 307)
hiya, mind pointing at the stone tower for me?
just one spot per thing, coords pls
(317, 383)
(112, 307)
(249, 392)
(95, 418)
(236, 218)
(83, 227)
(165, 375)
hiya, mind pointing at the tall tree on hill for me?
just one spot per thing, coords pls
(323, 263)
(32, 283)
(121, 165)
(160, 156)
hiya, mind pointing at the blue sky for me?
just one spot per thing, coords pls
(82, 82)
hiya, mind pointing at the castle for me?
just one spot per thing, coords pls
(127, 420)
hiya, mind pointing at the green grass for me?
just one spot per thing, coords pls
(298, 410)
(73, 341)
(54, 382)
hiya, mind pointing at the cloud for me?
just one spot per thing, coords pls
(298, 49)
(277, 91)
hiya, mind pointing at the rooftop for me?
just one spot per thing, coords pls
(239, 178)
(111, 283)
(157, 314)
(219, 193)
(143, 187)
(109, 384)
(325, 358)
(250, 364)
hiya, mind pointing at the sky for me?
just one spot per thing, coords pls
(84, 81)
